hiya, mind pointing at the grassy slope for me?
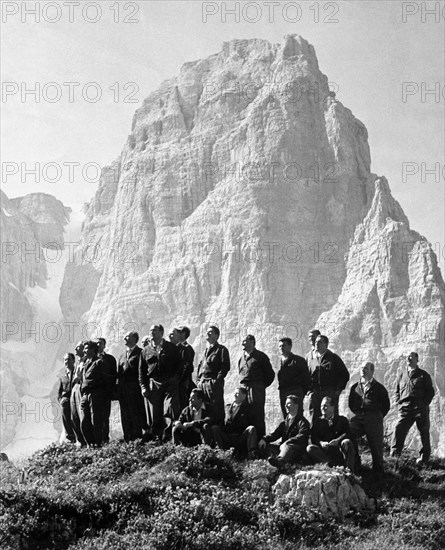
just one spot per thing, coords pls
(134, 496)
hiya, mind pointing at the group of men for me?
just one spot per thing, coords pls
(159, 399)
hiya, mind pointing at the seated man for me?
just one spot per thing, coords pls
(238, 430)
(330, 436)
(194, 424)
(294, 433)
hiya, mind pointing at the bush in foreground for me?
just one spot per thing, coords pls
(165, 497)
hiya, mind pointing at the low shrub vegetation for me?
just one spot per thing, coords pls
(145, 496)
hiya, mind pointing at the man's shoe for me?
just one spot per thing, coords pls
(421, 461)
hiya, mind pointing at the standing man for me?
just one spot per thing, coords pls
(329, 376)
(369, 402)
(159, 373)
(194, 424)
(256, 374)
(311, 356)
(331, 437)
(294, 433)
(64, 395)
(110, 374)
(187, 354)
(131, 402)
(212, 370)
(293, 375)
(414, 393)
(76, 396)
(93, 389)
(238, 431)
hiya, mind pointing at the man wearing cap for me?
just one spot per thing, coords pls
(414, 393)
(369, 403)
(212, 370)
(179, 337)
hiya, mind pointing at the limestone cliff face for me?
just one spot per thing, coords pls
(31, 277)
(243, 196)
(236, 174)
(392, 302)
(48, 213)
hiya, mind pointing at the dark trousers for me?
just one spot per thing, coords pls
(241, 442)
(66, 419)
(163, 405)
(190, 437)
(316, 397)
(408, 414)
(291, 391)
(371, 425)
(106, 425)
(256, 396)
(185, 388)
(75, 401)
(132, 407)
(337, 456)
(286, 453)
(214, 394)
(92, 410)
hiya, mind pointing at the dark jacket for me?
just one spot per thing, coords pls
(334, 435)
(415, 388)
(165, 368)
(110, 370)
(65, 385)
(329, 373)
(208, 416)
(294, 373)
(215, 363)
(256, 368)
(94, 377)
(187, 355)
(295, 431)
(128, 368)
(375, 399)
(238, 418)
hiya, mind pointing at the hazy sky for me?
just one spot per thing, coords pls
(368, 49)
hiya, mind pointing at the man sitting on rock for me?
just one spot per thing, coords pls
(194, 424)
(238, 431)
(294, 433)
(331, 439)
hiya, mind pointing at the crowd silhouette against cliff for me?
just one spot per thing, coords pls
(159, 399)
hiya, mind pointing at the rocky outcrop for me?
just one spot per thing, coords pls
(330, 493)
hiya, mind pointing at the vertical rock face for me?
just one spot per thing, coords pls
(31, 277)
(243, 196)
(236, 174)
